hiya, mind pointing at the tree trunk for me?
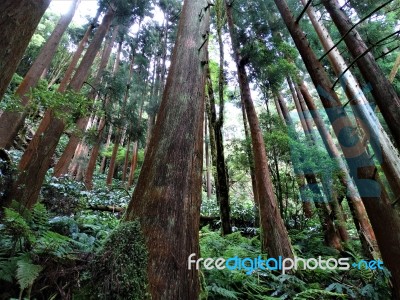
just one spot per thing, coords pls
(36, 159)
(88, 179)
(133, 164)
(327, 183)
(353, 196)
(331, 235)
(383, 147)
(12, 122)
(126, 160)
(250, 157)
(384, 94)
(217, 151)
(113, 159)
(18, 21)
(119, 138)
(77, 55)
(275, 239)
(395, 69)
(364, 173)
(300, 180)
(167, 197)
(62, 165)
(208, 164)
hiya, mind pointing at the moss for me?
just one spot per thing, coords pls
(119, 270)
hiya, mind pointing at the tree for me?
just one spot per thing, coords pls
(218, 157)
(380, 141)
(331, 234)
(61, 168)
(36, 159)
(167, 197)
(11, 122)
(384, 94)
(18, 20)
(361, 220)
(361, 167)
(275, 239)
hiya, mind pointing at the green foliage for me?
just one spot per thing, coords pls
(27, 272)
(119, 270)
(304, 284)
(37, 248)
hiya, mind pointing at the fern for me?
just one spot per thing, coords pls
(8, 268)
(312, 294)
(27, 272)
(219, 292)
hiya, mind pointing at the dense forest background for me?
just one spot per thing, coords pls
(135, 133)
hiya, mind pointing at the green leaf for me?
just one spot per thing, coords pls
(27, 272)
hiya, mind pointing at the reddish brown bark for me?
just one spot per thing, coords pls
(77, 55)
(331, 234)
(126, 160)
(36, 159)
(167, 197)
(113, 159)
(133, 164)
(88, 179)
(373, 194)
(300, 180)
(353, 196)
(12, 122)
(331, 195)
(378, 138)
(62, 165)
(18, 21)
(275, 239)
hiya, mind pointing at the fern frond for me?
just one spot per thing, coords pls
(27, 272)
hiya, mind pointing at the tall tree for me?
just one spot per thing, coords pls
(362, 169)
(61, 168)
(167, 197)
(218, 157)
(11, 122)
(365, 230)
(36, 159)
(380, 141)
(331, 234)
(384, 94)
(18, 21)
(275, 239)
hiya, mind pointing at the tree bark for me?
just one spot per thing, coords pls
(300, 180)
(217, 151)
(167, 197)
(364, 173)
(61, 168)
(36, 159)
(275, 239)
(208, 164)
(331, 234)
(18, 22)
(383, 147)
(384, 94)
(395, 69)
(353, 196)
(119, 135)
(12, 122)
